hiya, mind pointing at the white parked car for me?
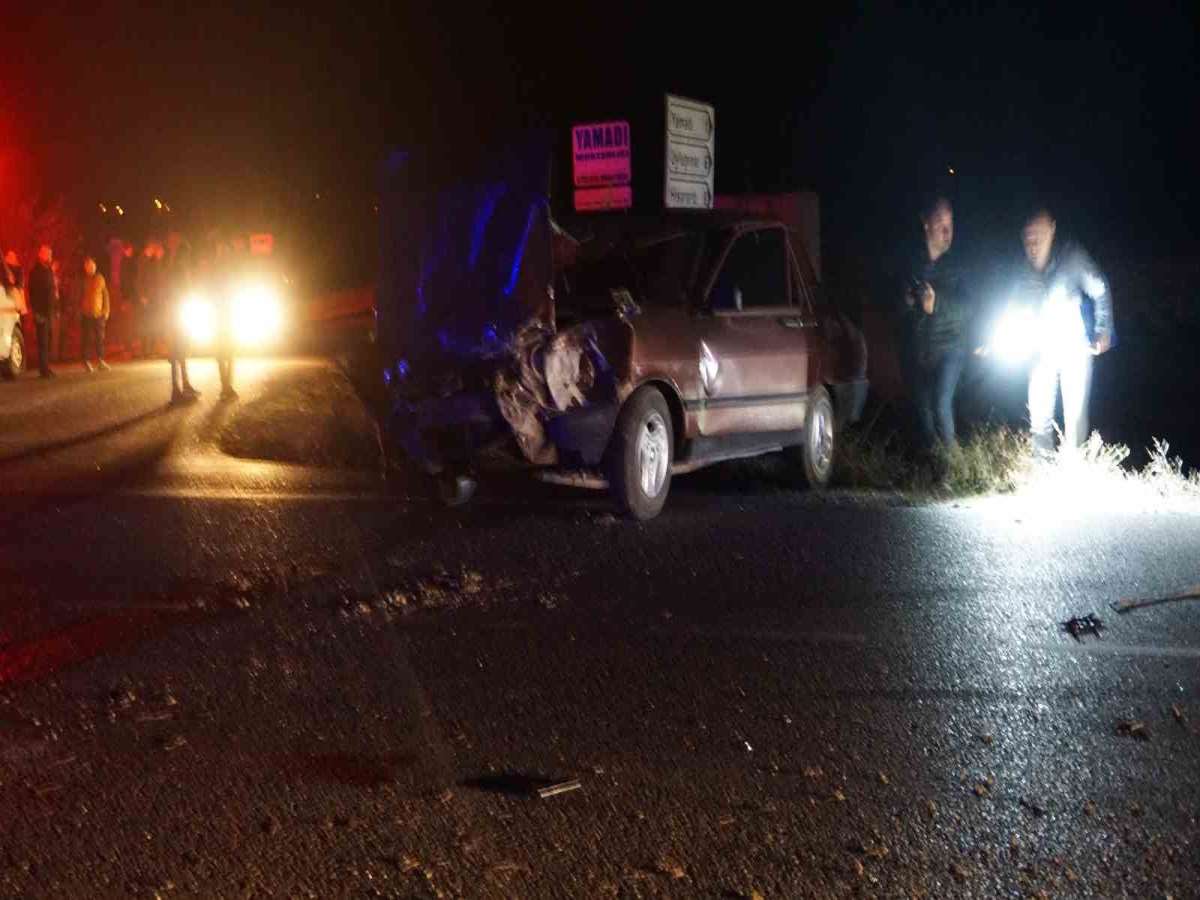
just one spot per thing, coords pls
(12, 341)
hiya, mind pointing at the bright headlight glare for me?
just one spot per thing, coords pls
(197, 318)
(257, 314)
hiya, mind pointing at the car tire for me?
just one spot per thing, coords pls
(816, 455)
(15, 364)
(640, 454)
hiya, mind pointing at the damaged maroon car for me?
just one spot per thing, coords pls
(610, 351)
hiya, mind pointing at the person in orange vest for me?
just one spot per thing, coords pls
(94, 309)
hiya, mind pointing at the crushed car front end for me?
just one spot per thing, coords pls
(477, 370)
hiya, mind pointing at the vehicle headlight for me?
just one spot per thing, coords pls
(198, 318)
(257, 314)
(1014, 337)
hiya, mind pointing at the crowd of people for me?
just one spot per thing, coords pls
(1070, 323)
(152, 287)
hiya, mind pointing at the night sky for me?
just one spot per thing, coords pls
(243, 109)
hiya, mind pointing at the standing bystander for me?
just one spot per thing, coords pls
(95, 307)
(41, 302)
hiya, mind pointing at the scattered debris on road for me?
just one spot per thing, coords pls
(668, 866)
(1177, 712)
(1134, 729)
(523, 785)
(560, 787)
(1120, 607)
(1081, 625)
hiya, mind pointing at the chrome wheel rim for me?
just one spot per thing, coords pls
(822, 440)
(653, 454)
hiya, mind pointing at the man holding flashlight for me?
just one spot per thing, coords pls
(1062, 282)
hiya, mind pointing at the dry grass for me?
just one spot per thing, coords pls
(1098, 476)
(1000, 460)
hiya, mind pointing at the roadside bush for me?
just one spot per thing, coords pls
(998, 459)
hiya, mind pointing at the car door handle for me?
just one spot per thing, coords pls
(797, 322)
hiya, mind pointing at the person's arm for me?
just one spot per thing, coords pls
(1095, 286)
(106, 306)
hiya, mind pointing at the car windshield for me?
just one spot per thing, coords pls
(656, 273)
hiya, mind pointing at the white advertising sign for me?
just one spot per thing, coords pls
(691, 154)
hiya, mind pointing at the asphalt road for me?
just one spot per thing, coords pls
(226, 678)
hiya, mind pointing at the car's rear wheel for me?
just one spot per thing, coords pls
(15, 364)
(640, 454)
(816, 454)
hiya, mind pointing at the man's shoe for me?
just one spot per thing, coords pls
(229, 394)
(189, 391)
(88, 366)
(48, 374)
(104, 367)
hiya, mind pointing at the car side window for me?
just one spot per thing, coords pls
(754, 274)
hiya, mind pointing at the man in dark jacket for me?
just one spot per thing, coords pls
(41, 302)
(935, 318)
(1058, 280)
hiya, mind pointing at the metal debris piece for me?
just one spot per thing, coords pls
(1177, 712)
(559, 787)
(1081, 625)
(1120, 607)
(1133, 728)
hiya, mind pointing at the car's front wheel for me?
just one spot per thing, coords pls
(816, 454)
(15, 364)
(640, 454)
